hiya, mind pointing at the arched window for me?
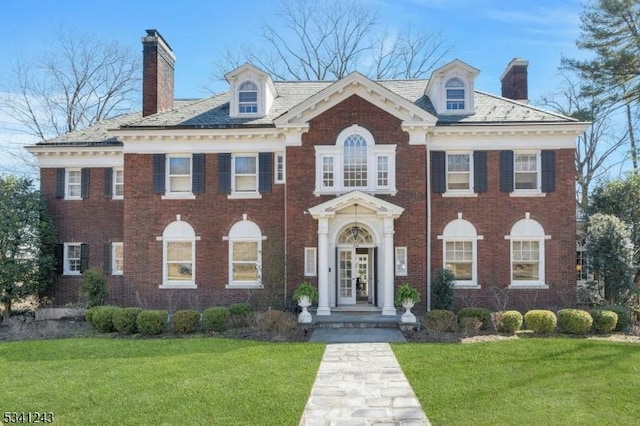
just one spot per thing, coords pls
(527, 253)
(245, 255)
(460, 251)
(455, 94)
(355, 161)
(248, 98)
(355, 235)
(179, 254)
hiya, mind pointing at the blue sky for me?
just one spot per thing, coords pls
(486, 34)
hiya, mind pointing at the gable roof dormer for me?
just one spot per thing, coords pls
(451, 88)
(251, 92)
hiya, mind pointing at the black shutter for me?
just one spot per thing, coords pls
(438, 171)
(197, 175)
(159, 165)
(60, 175)
(84, 183)
(480, 171)
(506, 171)
(84, 257)
(548, 169)
(108, 182)
(224, 173)
(107, 258)
(58, 254)
(265, 164)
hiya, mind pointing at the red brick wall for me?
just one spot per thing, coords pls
(96, 221)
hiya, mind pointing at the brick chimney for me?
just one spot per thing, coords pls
(514, 80)
(157, 74)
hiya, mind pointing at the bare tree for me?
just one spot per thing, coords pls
(596, 147)
(81, 81)
(328, 40)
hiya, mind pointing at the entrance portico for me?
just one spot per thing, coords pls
(356, 243)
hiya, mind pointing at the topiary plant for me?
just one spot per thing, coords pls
(215, 319)
(482, 314)
(442, 292)
(124, 320)
(185, 321)
(574, 321)
(102, 318)
(540, 321)
(604, 320)
(151, 321)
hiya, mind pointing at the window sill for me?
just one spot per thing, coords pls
(117, 197)
(178, 286)
(460, 194)
(117, 274)
(527, 194)
(242, 196)
(467, 286)
(513, 286)
(178, 196)
(71, 274)
(72, 198)
(247, 286)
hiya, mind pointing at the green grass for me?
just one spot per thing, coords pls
(551, 381)
(159, 381)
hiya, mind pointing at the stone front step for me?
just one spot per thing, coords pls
(357, 320)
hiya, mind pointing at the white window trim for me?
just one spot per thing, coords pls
(279, 157)
(524, 284)
(459, 192)
(446, 99)
(310, 253)
(244, 194)
(65, 260)
(401, 262)
(181, 195)
(537, 192)
(461, 230)
(166, 283)
(114, 269)
(245, 227)
(260, 95)
(66, 184)
(115, 183)
(373, 152)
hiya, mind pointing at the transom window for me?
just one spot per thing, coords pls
(355, 161)
(245, 174)
(455, 94)
(355, 235)
(179, 176)
(525, 171)
(458, 172)
(248, 98)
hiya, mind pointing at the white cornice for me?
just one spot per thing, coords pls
(77, 156)
(573, 129)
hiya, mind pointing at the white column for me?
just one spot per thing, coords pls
(388, 307)
(323, 267)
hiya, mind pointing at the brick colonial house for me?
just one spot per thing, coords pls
(354, 185)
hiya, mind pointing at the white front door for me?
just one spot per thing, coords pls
(346, 277)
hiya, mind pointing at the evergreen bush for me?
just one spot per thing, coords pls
(102, 318)
(574, 321)
(511, 321)
(94, 288)
(151, 321)
(540, 321)
(215, 319)
(185, 321)
(124, 320)
(439, 321)
(242, 314)
(604, 321)
(442, 292)
(624, 319)
(482, 314)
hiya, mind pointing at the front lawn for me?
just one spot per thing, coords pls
(160, 381)
(550, 381)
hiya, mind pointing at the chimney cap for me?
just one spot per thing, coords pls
(513, 63)
(154, 36)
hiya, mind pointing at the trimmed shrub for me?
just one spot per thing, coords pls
(623, 316)
(124, 320)
(102, 318)
(241, 314)
(511, 321)
(94, 288)
(215, 319)
(470, 326)
(277, 322)
(151, 321)
(439, 321)
(185, 321)
(604, 320)
(540, 321)
(574, 321)
(442, 291)
(88, 316)
(481, 314)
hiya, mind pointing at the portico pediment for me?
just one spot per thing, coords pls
(346, 204)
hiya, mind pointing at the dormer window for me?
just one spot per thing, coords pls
(455, 94)
(248, 98)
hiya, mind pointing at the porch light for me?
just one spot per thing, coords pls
(355, 230)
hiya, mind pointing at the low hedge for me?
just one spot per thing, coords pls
(215, 319)
(604, 320)
(88, 315)
(482, 314)
(439, 321)
(102, 318)
(509, 321)
(540, 321)
(151, 321)
(185, 321)
(624, 319)
(242, 314)
(574, 321)
(124, 320)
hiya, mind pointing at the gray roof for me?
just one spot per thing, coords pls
(213, 112)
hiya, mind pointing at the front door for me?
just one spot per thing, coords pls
(362, 276)
(346, 277)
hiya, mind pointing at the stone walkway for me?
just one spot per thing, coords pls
(361, 384)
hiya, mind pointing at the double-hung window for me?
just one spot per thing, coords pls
(72, 259)
(245, 255)
(179, 254)
(248, 98)
(279, 169)
(460, 251)
(118, 183)
(527, 241)
(526, 171)
(117, 259)
(179, 176)
(73, 184)
(455, 95)
(245, 174)
(459, 176)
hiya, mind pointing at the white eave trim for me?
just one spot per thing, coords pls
(507, 129)
(77, 156)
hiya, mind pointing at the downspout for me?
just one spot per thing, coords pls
(428, 168)
(286, 228)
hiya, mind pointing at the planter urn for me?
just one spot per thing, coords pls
(305, 317)
(407, 317)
